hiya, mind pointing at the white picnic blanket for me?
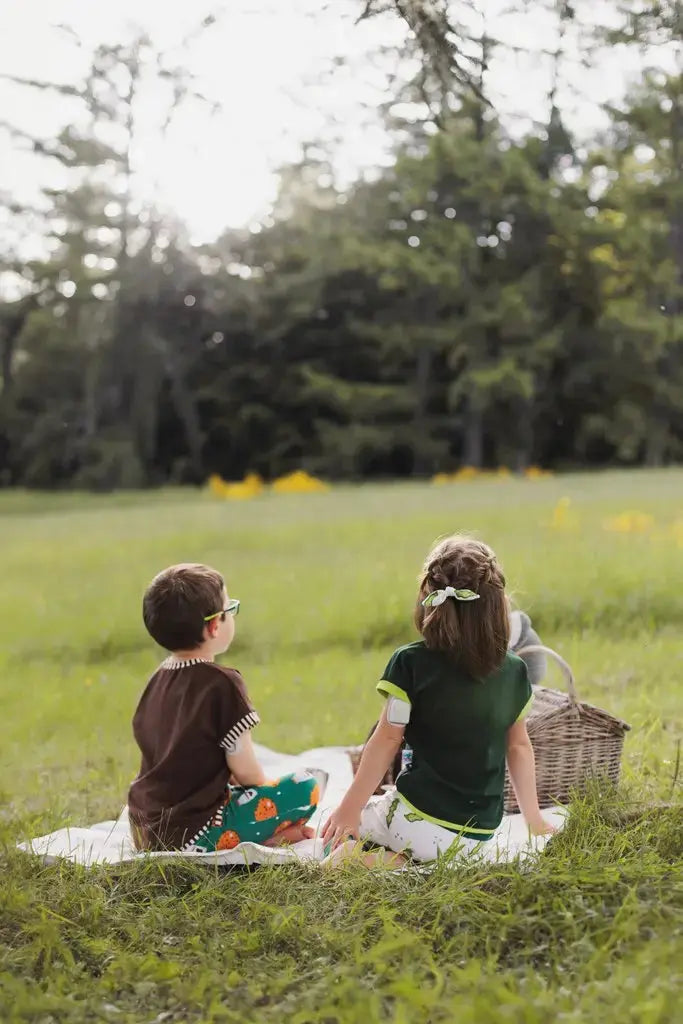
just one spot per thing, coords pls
(109, 842)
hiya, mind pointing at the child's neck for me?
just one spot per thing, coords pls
(201, 653)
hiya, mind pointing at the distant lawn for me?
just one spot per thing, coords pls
(327, 584)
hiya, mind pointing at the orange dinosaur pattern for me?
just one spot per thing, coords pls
(227, 841)
(265, 808)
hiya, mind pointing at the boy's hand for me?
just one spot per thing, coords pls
(342, 824)
(294, 834)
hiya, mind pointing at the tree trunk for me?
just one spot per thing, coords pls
(525, 435)
(9, 336)
(423, 372)
(6, 365)
(654, 448)
(187, 412)
(473, 440)
(144, 411)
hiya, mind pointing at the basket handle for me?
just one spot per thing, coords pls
(568, 674)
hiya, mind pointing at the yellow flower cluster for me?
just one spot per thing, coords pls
(630, 522)
(644, 524)
(237, 490)
(298, 482)
(565, 518)
(466, 473)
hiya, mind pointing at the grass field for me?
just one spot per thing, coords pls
(327, 584)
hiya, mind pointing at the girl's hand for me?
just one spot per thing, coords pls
(541, 827)
(341, 824)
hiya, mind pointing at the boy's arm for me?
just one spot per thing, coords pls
(243, 763)
(522, 767)
(379, 752)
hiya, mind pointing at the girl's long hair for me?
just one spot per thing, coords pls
(474, 633)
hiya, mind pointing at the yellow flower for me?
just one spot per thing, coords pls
(239, 490)
(630, 522)
(677, 532)
(563, 518)
(216, 485)
(536, 473)
(466, 473)
(299, 482)
(442, 478)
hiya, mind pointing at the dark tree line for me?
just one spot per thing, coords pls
(486, 300)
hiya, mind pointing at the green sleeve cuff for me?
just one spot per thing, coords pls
(526, 709)
(388, 689)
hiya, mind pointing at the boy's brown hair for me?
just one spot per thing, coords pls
(176, 603)
(475, 633)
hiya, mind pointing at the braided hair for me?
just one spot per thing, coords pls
(475, 633)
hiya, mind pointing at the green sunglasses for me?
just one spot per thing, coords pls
(232, 608)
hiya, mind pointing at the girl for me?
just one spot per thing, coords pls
(459, 697)
(522, 635)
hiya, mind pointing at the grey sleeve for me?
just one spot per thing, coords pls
(536, 663)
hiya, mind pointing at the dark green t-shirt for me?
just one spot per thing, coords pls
(457, 731)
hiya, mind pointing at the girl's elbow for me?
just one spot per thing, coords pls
(517, 747)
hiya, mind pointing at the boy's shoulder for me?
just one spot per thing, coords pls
(224, 670)
(207, 672)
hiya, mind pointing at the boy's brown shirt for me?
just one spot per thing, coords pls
(190, 715)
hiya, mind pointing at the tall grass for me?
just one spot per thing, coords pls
(327, 583)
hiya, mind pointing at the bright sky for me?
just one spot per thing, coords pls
(261, 63)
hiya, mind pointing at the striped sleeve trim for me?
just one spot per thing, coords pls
(247, 722)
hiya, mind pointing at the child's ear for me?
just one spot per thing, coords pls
(210, 629)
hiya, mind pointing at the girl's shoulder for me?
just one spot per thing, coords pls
(511, 660)
(415, 647)
(409, 655)
(512, 668)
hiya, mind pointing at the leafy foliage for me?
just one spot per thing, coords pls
(485, 300)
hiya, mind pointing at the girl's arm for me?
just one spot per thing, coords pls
(522, 767)
(379, 752)
(243, 763)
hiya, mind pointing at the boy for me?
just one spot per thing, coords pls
(193, 726)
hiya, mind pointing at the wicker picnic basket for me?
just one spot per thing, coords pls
(573, 742)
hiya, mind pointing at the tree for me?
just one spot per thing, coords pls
(639, 260)
(101, 246)
(488, 298)
(438, 37)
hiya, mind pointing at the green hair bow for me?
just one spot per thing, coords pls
(438, 597)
